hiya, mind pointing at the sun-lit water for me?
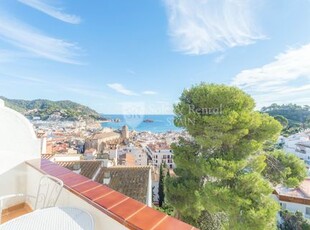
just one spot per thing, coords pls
(159, 124)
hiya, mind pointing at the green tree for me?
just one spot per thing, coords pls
(293, 221)
(161, 194)
(284, 168)
(283, 121)
(220, 170)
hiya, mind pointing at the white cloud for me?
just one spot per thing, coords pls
(205, 26)
(52, 11)
(121, 89)
(148, 92)
(27, 38)
(286, 79)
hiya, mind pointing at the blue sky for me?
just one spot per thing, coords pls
(137, 56)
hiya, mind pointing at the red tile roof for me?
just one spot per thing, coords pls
(131, 181)
(300, 195)
(127, 211)
(159, 146)
(88, 168)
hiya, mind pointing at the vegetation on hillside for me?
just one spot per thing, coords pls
(48, 110)
(222, 181)
(294, 118)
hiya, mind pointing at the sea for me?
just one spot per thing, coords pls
(140, 123)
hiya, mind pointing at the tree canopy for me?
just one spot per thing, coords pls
(220, 170)
(283, 121)
(284, 168)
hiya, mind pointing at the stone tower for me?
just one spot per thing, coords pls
(125, 132)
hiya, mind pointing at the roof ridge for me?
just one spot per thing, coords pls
(128, 167)
(79, 161)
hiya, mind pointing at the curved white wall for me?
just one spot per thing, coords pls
(18, 141)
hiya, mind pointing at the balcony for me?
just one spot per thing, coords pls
(110, 209)
(21, 169)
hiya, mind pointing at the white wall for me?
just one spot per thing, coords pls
(293, 207)
(149, 201)
(160, 158)
(18, 141)
(13, 181)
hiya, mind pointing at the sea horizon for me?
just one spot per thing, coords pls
(160, 123)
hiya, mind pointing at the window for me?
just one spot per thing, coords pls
(308, 211)
(283, 205)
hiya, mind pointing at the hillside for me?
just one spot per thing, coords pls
(294, 117)
(52, 110)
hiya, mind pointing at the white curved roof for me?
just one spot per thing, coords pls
(18, 141)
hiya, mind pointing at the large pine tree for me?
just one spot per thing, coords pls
(220, 180)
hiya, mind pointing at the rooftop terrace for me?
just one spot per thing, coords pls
(21, 169)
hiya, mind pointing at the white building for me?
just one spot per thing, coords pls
(295, 199)
(66, 157)
(160, 153)
(299, 145)
(303, 151)
(139, 154)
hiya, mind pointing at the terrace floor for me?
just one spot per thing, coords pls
(15, 211)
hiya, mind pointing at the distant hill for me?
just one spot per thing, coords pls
(298, 117)
(52, 110)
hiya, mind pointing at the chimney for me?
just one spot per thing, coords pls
(76, 167)
(106, 178)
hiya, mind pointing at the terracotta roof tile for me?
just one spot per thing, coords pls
(127, 208)
(86, 186)
(171, 224)
(88, 168)
(106, 135)
(94, 194)
(111, 200)
(131, 181)
(147, 218)
(127, 211)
